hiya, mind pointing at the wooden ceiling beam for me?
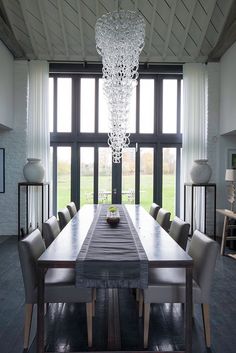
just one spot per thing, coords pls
(211, 7)
(25, 14)
(227, 34)
(45, 27)
(192, 8)
(97, 9)
(61, 17)
(152, 27)
(8, 38)
(170, 24)
(80, 24)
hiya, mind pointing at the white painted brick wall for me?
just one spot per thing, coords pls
(213, 70)
(14, 142)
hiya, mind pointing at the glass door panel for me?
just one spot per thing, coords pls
(128, 176)
(146, 176)
(86, 175)
(64, 104)
(103, 113)
(104, 175)
(132, 111)
(63, 176)
(50, 103)
(169, 110)
(146, 123)
(51, 177)
(169, 180)
(87, 105)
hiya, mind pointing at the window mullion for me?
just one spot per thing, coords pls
(55, 106)
(178, 105)
(96, 103)
(95, 175)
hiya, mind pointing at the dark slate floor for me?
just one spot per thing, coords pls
(66, 327)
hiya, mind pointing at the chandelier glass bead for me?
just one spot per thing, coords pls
(119, 39)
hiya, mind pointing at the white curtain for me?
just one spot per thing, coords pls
(194, 131)
(38, 142)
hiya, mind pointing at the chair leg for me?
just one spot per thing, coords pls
(94, 294)
(27, 326)
(89, 311)
(94, 299)
(146, 324)
(137, 294)
(140, 305)
(206, 323)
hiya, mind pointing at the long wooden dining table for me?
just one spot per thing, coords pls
(160, 248)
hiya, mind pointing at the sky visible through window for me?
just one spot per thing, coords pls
(87, 108)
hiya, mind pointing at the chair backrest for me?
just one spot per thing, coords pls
(72, 209)
(204, 252)
(30, 249)
(163, 218)
(154, 209)
(64, 217)
(51, 230)
(179, 231)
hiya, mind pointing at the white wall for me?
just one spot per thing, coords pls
(227, 140)
(6, 87)
(218, 145)
(228, 91)
(221, 123)
(213, 95)
(14, 142)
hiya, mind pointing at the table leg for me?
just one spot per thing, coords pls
(40, 311)
(188, 312)
(27, 209)
(48, 200)
(224, 235)
(184, 202)
(215, 212)
(42, 207)
(205, 208)
(19, 235)
(192, 195)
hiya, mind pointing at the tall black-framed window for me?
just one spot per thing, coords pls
(81, 163)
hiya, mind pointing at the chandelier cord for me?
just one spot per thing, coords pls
(119, 5)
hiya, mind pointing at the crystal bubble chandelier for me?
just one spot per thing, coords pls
(119, 39)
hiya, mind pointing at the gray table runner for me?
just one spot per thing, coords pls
(112, 257)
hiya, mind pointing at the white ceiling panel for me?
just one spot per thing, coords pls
(176, 30)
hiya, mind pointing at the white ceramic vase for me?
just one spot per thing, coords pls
(33, 170)
(200, 171)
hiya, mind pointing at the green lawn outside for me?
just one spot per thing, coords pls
(86, 190)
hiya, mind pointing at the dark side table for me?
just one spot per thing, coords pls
(228, 215)
(27, 187)
(206, 187)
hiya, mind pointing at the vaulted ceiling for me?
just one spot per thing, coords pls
(63, 30)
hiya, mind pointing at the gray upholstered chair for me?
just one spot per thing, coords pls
(72, 209)
(179, 231)
(154, 209)
(167, 285)
(59, 283)
(64, 217)
(51, 230)
(163, 218)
